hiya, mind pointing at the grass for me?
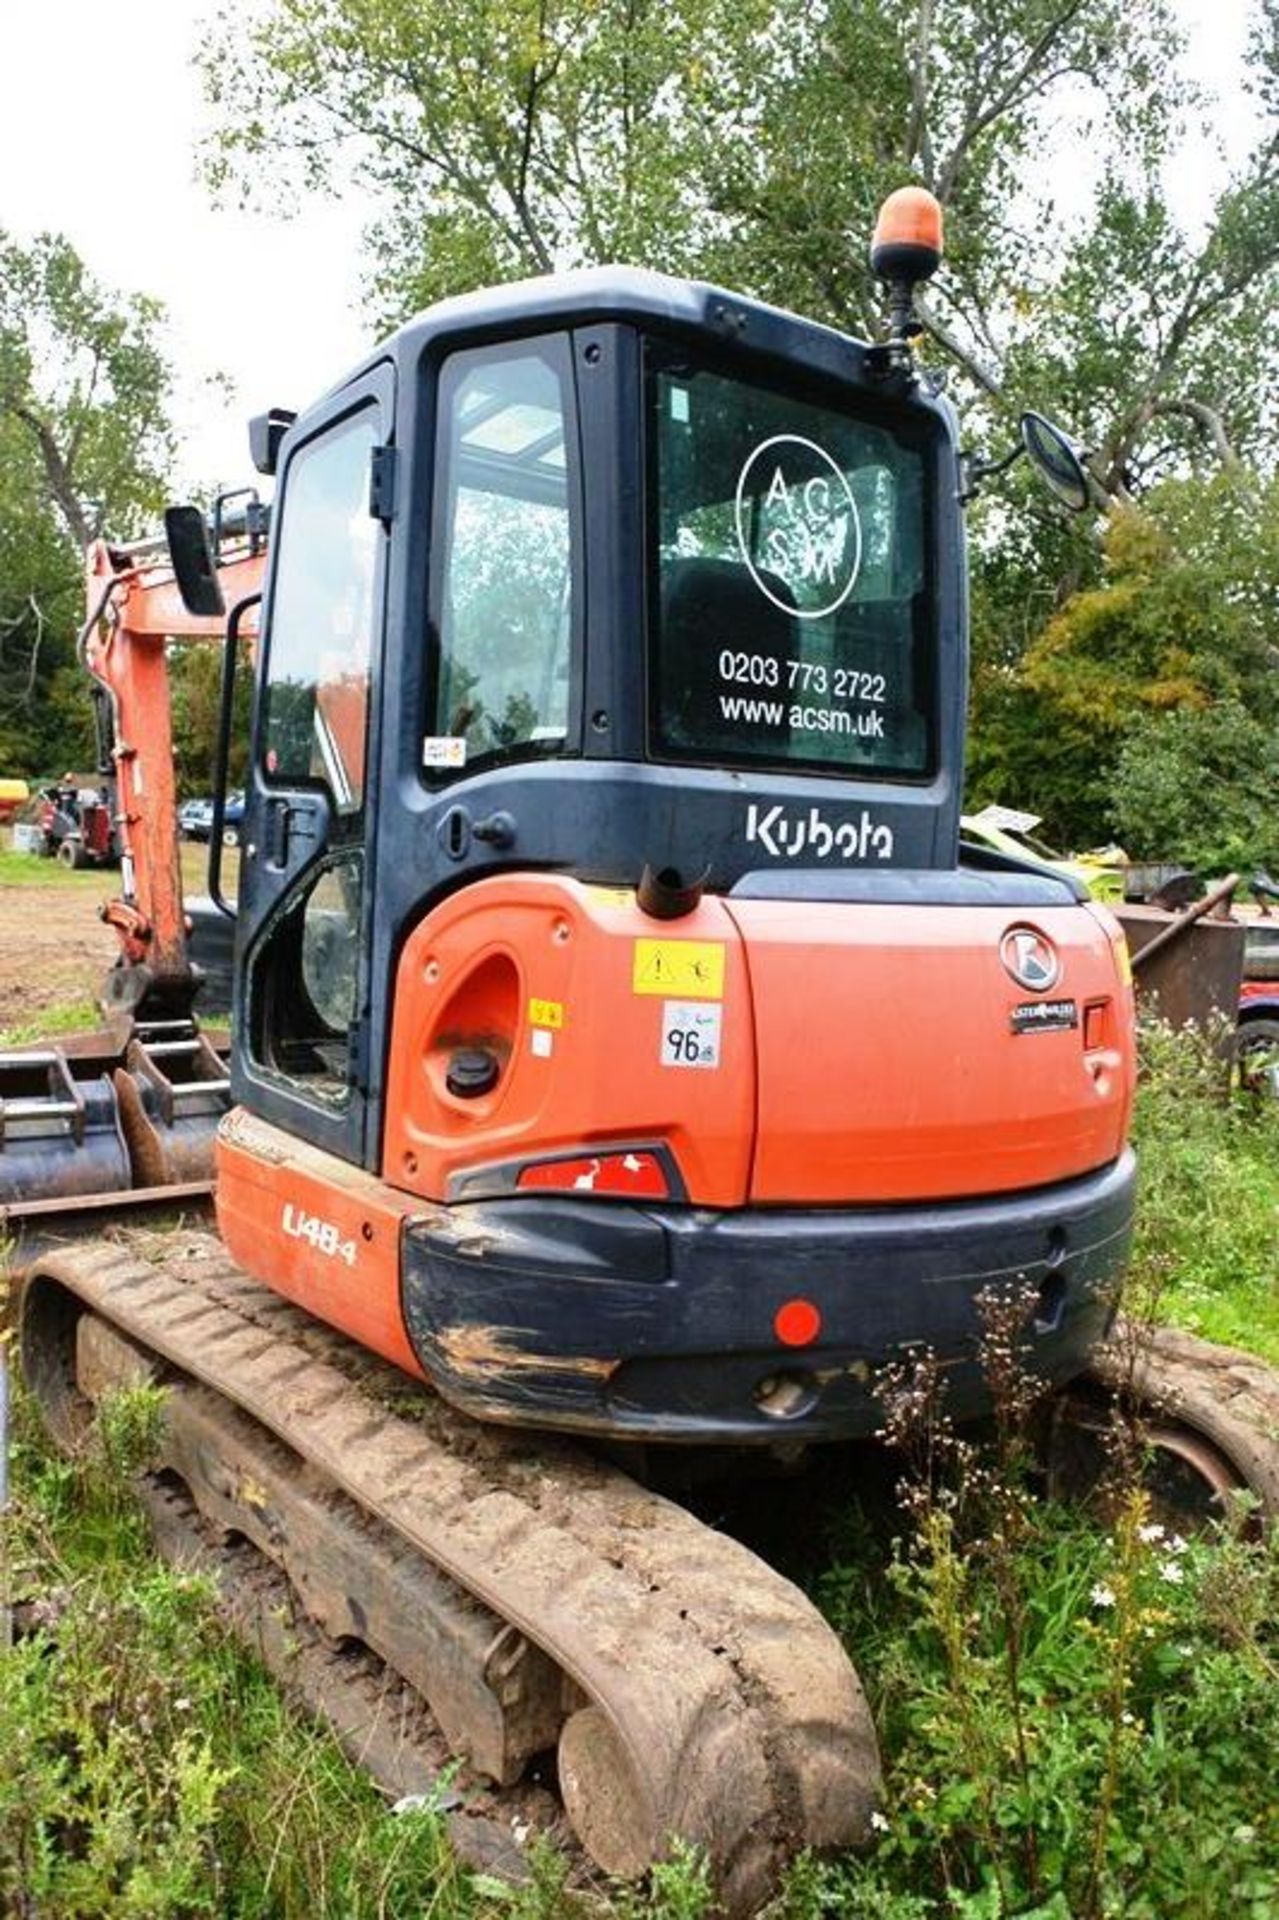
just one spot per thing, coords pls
(1044, 1679)
(29, 870)
(148, 1765)
(1208, 1208)
(72, 1017)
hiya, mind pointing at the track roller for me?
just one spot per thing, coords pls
(1210, 1423)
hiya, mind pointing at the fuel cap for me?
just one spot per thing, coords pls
(472, 1072)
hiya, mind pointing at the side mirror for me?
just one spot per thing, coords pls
(192, 561)
(1056, 460)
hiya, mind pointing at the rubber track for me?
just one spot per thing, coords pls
(736, 1718)
(1230, 1397)
(378, 1721)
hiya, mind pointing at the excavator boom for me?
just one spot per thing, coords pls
(128, 1114)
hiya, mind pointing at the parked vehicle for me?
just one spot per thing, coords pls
(232, 819)
(76, 825)
(195, 818)
(1257, 1035)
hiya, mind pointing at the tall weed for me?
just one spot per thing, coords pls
(1208, 1204)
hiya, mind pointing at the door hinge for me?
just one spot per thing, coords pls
(382, 484)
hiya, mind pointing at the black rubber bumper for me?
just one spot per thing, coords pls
(658, 1322)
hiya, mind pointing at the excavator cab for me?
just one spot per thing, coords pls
(619, 1040)
(617, 577)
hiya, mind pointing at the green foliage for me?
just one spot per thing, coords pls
(83, 376)
(1045, 1676)
(500, 138)
(84, 447)
(1200, 784)
(66, 1019)
(195, 681)
(1140, 1686)
(148, 1766)
(1158, 672)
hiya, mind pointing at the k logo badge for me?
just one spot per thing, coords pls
(1030, 959)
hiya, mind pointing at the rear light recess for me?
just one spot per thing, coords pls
(1096, 1025)
(631, 1175)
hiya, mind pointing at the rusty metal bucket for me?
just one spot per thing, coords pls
(1187, 967)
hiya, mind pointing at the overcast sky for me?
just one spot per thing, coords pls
(97, 129)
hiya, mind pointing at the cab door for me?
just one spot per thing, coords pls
(303, 924)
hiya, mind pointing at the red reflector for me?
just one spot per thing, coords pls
(1095, 1026)
(797, 1323)
(632, 1175)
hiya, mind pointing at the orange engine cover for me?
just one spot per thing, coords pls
(783, 1052)
(897, 1058)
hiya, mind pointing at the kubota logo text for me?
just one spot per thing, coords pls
(788, 835)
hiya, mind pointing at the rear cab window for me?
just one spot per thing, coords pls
(791, 613)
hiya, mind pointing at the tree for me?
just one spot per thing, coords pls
(1200, 785)
(1178, 642)
(84, 447)
(753, 142)
(195, 679)
(501, 137)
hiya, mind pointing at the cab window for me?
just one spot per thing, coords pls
(315, 722)
(507, 584)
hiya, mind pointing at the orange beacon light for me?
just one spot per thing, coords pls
(906, 249)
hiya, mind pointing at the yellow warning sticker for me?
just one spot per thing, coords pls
(679, 969)
(611, 896)
(546, 1013)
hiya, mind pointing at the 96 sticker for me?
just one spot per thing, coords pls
(690, 1033)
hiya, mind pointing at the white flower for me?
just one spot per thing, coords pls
(1176, 1544)
(1151, 1532)
(1102, 1595)
(1129, 1719)
(879, 1821)
(1172, 1572)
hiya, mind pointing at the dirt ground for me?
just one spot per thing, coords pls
(54, 950)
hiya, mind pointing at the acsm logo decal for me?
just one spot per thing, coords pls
(785, 836)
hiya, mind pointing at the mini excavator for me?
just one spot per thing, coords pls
(621, 1045)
